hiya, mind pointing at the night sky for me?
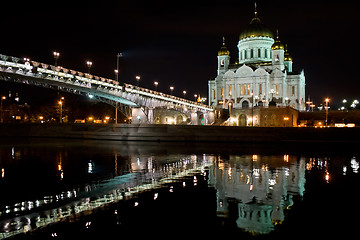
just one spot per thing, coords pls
(176, 42)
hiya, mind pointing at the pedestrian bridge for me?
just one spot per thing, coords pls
(147, 106)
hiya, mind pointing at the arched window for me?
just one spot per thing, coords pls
(245, 104)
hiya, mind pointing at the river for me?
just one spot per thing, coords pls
(94, 189)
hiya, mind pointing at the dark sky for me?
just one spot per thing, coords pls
(176, 42)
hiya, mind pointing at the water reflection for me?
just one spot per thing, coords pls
(262, 187)
(133, 174)
(255, 191)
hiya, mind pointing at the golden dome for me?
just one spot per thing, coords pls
(277, 44)
(223, 50)
(256, 29)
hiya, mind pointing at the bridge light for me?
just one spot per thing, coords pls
(56, 57)
(91, 96)
(156, 85)
(171, 89)
(89, 64)
(137, 77)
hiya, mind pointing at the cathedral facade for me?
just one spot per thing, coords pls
(262, 76)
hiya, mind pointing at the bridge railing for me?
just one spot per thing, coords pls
(11, 64)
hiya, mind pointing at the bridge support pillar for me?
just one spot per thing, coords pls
(142, 116)
(138, 116)
(202, 118)
(150, 115)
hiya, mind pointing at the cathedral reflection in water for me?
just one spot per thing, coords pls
(261, 187)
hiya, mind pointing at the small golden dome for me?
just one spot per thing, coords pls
(223, 50)
(277, 45)
(287, 56)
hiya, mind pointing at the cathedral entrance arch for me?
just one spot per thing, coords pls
(242, 120)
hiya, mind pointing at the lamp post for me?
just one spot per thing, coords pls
(2, 99)
(272, 91)
(184, 92)
(156, 85)
(195, 96)
(327, 100)
(171, 89)
(61, 102)
(137, 80)
(56, 57)
(252, 108)
(117, 79)
(89, 64)
(117, 66)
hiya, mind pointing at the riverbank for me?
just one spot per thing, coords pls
(180, 133)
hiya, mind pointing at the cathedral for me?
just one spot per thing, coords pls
(262, 75)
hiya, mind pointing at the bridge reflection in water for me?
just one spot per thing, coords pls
(145, 174)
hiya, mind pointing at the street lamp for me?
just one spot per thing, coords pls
(89, 64)
(184, 92)
(195, 96)
(171, 89)
(137, 80)
(156, 85)
(117, 66)
(61, 102)
(327, 100)
(309, 102)
(272, 91)
(2, 99)
(252, 109)
(56, 57)
(117, 80)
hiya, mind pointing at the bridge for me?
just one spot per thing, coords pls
(143, 105)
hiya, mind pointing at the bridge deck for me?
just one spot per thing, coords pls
(32, 72)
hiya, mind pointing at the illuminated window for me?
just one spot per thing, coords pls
(230, 90)
(214, 94)
(241, 89)
(248, 89)
(260, 88)
(222, 93)
(277, 89)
